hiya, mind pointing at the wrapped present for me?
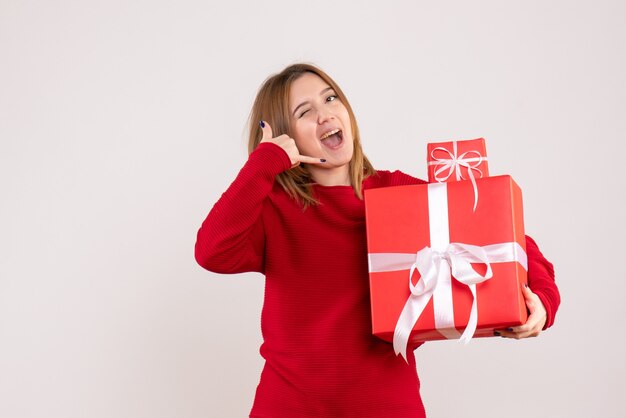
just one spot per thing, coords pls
(456, 161)
(439, 269)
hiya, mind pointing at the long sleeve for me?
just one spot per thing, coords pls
(541, 280)
(231, 238)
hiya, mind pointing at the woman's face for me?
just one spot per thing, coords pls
(320, 123)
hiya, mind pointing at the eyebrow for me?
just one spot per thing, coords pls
(303, 103)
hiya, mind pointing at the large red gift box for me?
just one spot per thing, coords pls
(457, 160)
(436, 221)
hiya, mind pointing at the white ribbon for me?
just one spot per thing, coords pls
(437, 265)
(454, 164)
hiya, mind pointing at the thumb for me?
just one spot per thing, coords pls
(528, 294)
(267, 130)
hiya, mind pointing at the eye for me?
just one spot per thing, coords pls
(303, 113)
(331, 98)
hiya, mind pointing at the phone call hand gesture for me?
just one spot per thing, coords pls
(289, 145)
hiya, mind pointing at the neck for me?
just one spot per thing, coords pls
(339, 176)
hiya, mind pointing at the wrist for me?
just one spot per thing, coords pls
(275, 159)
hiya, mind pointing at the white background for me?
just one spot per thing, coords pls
(122, 122)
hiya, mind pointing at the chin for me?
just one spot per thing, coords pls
(340, 161)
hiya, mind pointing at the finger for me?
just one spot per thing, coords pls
(524, 333)
(511, 334)
(529, 299)
(507, 333)
(531, 328)
(520, 329)
(267, 130)
(519, 336)
(526, 291)
(531, 324)
(310, 160)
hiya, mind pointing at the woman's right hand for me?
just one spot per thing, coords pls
(289, 145)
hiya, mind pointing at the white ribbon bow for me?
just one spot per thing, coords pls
(436, 269)
(435, 266)
(454, 164)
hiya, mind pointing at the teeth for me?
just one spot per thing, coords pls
(327, 134)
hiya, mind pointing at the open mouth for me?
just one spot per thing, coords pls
(332, 139)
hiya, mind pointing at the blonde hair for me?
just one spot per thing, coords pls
(272, 105)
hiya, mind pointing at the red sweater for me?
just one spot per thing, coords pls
(321, 359)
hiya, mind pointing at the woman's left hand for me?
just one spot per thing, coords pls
(536, 319)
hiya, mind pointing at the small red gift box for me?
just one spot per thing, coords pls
(457, 160)
(430, 256)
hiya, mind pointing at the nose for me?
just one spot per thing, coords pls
(323, 115)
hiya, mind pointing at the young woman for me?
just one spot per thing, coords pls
(295, 213)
